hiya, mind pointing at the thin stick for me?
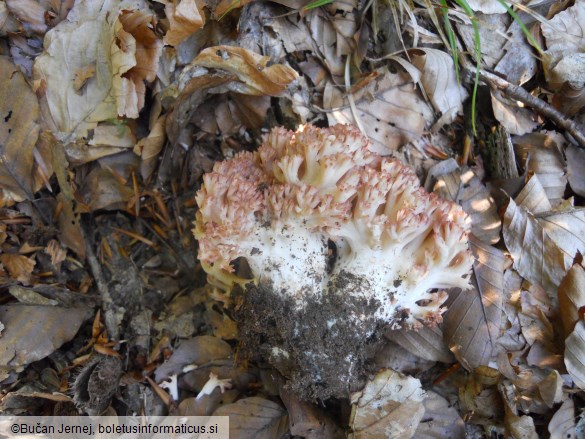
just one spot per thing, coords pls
(515, 92)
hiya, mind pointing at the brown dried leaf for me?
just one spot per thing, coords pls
(576, 169)
(440, 82)
(19, 267)
(92, 34)
(185, 18)
(19, 131)
(475, 199)
(572, 297)
(32, 331)
(473, 319)
(30, 13)
(198, 350)
(389, 406)
(253, 75)
(389, 107)
(517, 120)
(150, 147)
(541, 155)
(255, 418)
(441, 419)
(567, 230)
(574, 354)
(562, 424)
(426, 342)
(536, 256)
(533, 197)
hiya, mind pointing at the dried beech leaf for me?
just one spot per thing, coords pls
(572, 297)
(389, 406)
(426, 342)
(440, 82)
(533, 197)
(576, 169)
(19, 130)
(562, 424)
(389, 107)
(551, 388)
(574, 354)
(19, 267)
(185, 18)
(536, 256)
(515, 119)
(441, 419)
(21, 342)
(472, 321)
(476, 201)
(102, 190)
(567, 230)
(255, 418)
(92, 34)
(198, 350)
(565, 43)
(150, 147)
(254, 76)
(541, 156)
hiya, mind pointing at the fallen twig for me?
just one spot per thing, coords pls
(515, 92)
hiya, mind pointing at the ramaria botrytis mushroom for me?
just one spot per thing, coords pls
(317, 215)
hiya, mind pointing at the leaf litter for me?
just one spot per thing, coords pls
(112, 110)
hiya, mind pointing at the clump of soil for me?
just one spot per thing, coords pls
(321, 349)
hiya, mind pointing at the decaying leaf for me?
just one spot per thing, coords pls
(441, 419)
(19, 267)
(21, 344)
(255, 418)
(185, 18)
(94, 34)
(572, 297)
(567, 230)
(254, 76)
(574, 354)
(391, 405)
(536, 256)
(517, 120)
(562, 424)
(565, 45)
(426, 342)
(150, 147)
(576, 169)
(473, 319)
(19, 130)
(389, 107)
(440, 82)
(196, 351)
(540, 153)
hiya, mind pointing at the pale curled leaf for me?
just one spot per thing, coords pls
(21, 344)
(472, 321)
(389, 406)
(562, 424)
(255, 418)
(92, 34)
(389, 107)
(19, 130)
(536, 256)
(254, 76)
(440, 82)
(149, 147)
(572, 297)
(575, 354)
